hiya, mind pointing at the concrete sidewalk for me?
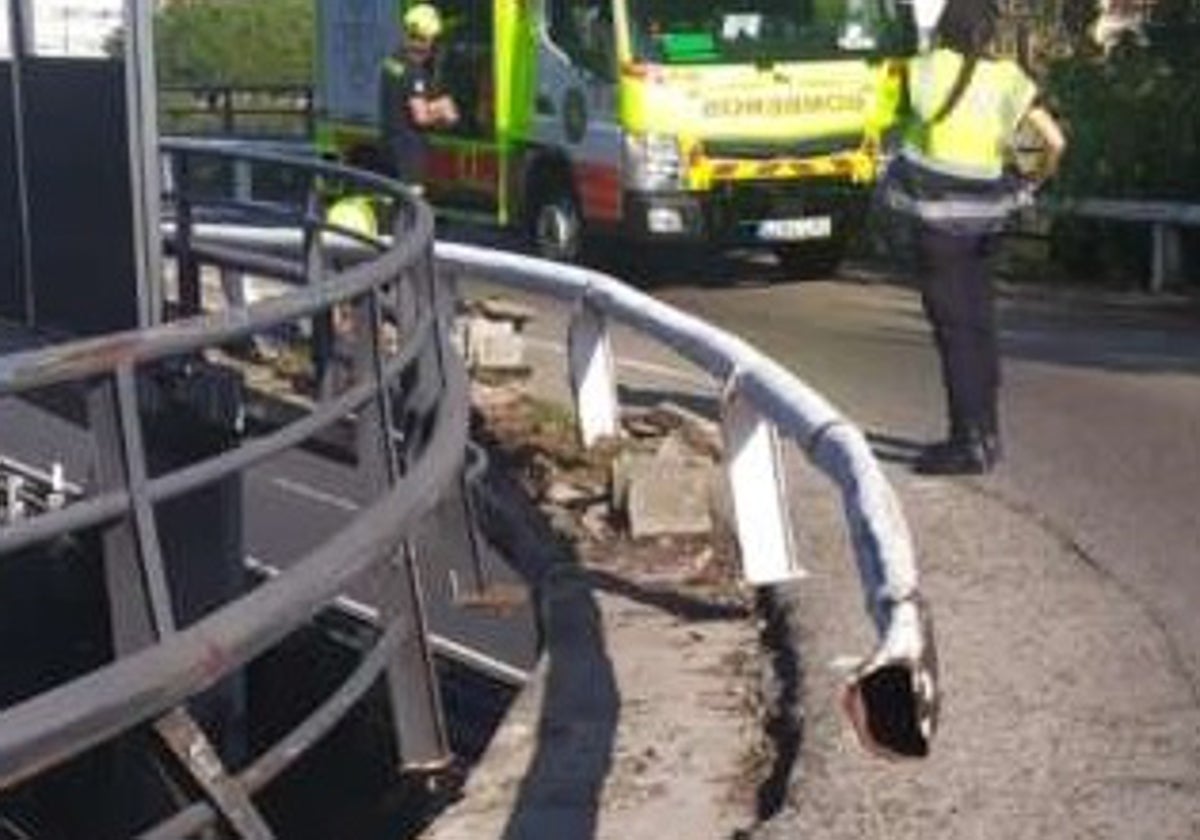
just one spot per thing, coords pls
(1066, 714)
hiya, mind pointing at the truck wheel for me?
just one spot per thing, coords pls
(556, 225)
(812, 260)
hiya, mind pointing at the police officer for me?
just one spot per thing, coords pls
(959, 114)
(410, 104)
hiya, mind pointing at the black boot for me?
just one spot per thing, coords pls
(970, 453)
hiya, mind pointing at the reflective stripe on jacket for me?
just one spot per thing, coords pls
(958, 205)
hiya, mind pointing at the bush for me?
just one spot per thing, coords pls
(235, 42)
(1134, 133)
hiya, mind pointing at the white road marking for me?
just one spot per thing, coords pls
(313, 494)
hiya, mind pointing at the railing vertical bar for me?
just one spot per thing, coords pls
(415, 699)
(131, 623)
(149, 545)
(371, 430)
(374, 313)
(314, 275)
(445, 300)
(187, 266)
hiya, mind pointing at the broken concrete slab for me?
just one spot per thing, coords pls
(494, 346)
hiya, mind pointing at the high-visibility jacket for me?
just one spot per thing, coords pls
(972, 140)
(950, 168)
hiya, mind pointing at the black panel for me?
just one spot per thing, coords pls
(80, 194)
(12, 301)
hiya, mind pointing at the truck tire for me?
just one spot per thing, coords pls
(556, 223)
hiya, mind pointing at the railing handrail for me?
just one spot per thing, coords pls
(408, 477)
(1151, 211)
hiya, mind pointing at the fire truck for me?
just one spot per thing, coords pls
(726, 122)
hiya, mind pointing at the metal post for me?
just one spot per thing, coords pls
(233, 280)
(446, 288)
(130, 616)
(144, 166)
(1166, 256)
(754, 465)
(187, 267)
(314, 275)
(416, 706)
(227, 111)
(592, 372)
(20, 23)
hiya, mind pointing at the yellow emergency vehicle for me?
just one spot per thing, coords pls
(733, 122)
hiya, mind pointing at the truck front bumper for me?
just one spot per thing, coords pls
(748, 213)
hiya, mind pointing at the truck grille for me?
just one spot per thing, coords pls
(771, 149)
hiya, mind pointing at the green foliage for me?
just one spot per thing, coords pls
(1133, 128)
(1133, 133)
(1078, 18)
(238, 42)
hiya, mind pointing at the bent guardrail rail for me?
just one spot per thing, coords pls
(409, 414)
(892, 698)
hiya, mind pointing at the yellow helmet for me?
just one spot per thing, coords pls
(423, 21)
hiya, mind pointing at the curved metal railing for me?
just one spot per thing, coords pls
(892, 698)
(408, 411)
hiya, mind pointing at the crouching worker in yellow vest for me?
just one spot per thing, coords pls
(958, 116)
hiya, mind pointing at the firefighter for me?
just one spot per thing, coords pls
(410, 103)
(959, 114)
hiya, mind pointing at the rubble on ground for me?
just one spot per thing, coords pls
(652, 501)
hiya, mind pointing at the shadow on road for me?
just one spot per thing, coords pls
(894, 450)
(560, 793)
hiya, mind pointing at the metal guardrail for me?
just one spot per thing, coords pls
(1166, 219)
(893, 697)
(408, 409)
(239, 110)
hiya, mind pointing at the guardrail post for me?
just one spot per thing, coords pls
(754, 465)
(417, 720)
(233, 281)
(593, 375)
(444, 296)
(1166, 257)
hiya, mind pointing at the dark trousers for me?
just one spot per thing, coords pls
(956, 290)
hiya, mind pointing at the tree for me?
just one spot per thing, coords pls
(236, 42)
(1078, 20)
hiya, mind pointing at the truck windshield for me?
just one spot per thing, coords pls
(717, 31)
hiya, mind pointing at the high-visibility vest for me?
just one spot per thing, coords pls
(355, 213)
(972, 140)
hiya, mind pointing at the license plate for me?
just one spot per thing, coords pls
(791, 230)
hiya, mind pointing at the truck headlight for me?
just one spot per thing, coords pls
(653, 162)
